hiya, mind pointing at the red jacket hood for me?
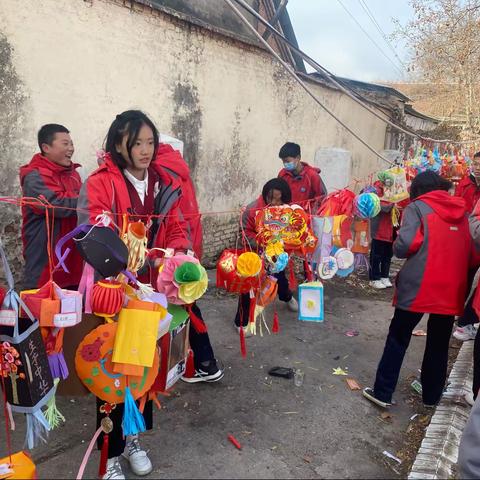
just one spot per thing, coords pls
(171, 159)
(451, 209)
(306, 168)
(39, 162)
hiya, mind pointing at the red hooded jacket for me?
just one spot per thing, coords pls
(106, 191)
(305, 186)
(172, 161)
(434, 238)
(60, 186)
(381, 226)
(468, 189)
(248, 220)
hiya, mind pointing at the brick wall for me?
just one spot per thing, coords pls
(219, 232)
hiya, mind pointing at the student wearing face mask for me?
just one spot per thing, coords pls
(275, 192)
(304, 180)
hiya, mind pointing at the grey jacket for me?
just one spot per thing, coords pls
(469, 451)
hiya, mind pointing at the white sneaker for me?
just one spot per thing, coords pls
(468, 332)
(138, 459)
(114, 470)
(386, 282)
(377, 284)
(292, 305)
(469, 398)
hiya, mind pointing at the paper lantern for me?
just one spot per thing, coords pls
(267, 292)
(21, 467)
(93, 362)
(228, 276)
(166, 282)
(327, 268)
(345, 258)
(191, 291)
(107, 298)
(342, 231)
(249, 264)
(394, 184)
(136, 240)
(367, 205)
(288, 224)
(310, 302)
(103, 249)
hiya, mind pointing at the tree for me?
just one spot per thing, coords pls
(444, 37)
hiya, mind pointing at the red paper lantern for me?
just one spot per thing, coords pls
(228, 276)
(107, 298)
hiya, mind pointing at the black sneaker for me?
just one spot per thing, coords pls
(368, 393)
(206, 373)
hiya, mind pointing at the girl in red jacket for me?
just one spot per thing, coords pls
(434, 238)
(130, 182)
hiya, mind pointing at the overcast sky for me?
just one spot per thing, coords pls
(326, 32)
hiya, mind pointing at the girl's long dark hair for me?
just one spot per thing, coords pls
(127, 123)
(277, 184)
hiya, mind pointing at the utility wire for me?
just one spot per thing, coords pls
(304, 86)
(356, 97)
(370, 38)
(367, 10)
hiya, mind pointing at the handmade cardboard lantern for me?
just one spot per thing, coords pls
(310, 296)
(17, 466)
(173, 349)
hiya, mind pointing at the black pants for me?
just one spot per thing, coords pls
(116, 440)
(284, 294)
(469, 316)
(381, 254)
(200, 343)
(476, 366)
(435, 358)
(202, 351)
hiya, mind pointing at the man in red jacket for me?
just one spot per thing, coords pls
(50, 176)
(469, 189)
(304, 180)
(435, 240)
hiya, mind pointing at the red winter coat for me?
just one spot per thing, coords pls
(248, 220)
(106, 191)
(60, 186)
(381, 226)
(434, 238)
(307, 185)
(468, 189)
(172, 161)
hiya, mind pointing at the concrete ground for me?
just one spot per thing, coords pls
(321, 429)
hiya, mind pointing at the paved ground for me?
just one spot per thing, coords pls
(321, 429)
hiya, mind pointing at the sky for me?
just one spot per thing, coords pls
(327, 33)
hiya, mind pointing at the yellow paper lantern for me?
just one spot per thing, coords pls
(249, 264)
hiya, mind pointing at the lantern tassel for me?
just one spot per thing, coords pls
(133, 422)
(276, 324)
(102, 468)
